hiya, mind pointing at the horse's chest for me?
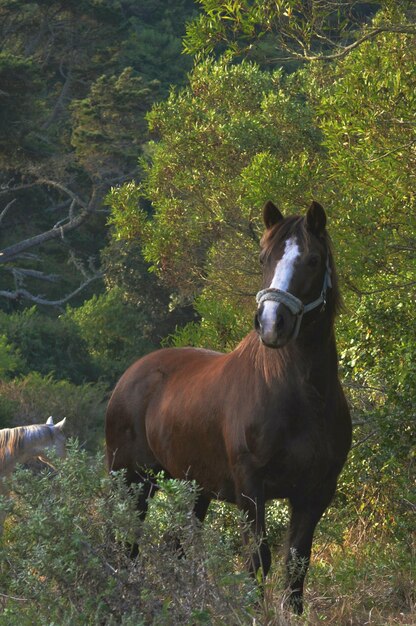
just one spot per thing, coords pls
(298, 463)
(294, 449)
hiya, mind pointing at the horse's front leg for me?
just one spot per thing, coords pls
(305, 515)
(250, 500)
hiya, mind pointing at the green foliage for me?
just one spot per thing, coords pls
(109, 126)
(10, 359)
(379, 344)
(216, 140)
(376, 575)
(127, 271)
(220, 327)
(337, 132)
(233, 138)
(20, 103)
(127, 217)
(115, 332)
(365, 112)
(48, 345)
(278, 30)
(76, 85)
(30, 400)
(64, 559)
(341, 133)
(154, 45)
(64, 554)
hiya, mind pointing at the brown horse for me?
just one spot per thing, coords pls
(268, 420)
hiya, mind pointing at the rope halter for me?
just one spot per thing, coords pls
(296, 306)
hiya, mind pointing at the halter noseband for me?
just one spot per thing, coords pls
(296, 306)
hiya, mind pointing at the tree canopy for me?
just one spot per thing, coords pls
(279, 30)
(76, 84)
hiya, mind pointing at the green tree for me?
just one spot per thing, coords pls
(10, 360)
(47, 345)
(73, 125)
(222, 151)
(366, 111)
(294, 29)
(341, 132)
(154, 44)
(115, 332)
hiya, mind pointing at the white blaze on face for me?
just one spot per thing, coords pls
(281, 280)
(285, 267)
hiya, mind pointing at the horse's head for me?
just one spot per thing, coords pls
(57, 440)
(296, 273)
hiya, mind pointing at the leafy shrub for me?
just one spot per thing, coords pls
(220, 327)
(114, 331)
(32, 399)
(64, 555)
(48, 345)
(64, 559)
(10, 359)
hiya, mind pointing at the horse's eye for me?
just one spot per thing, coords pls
(313, 260)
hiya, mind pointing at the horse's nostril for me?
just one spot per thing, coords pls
(257, 324)
(280, 322)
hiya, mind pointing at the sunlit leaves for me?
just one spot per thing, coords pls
(215, 136)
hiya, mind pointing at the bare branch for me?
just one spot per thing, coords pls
(23, 273)
(24, 294)
(15, 250)
(61, 187)
(361, 441)
(360, 293)
(60, 229)
(5, 189)
(60, 103)
(6, 209)
(404, 30)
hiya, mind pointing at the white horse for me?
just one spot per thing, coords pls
(20, 444)
(23, 443)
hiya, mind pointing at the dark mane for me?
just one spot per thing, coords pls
(289, 226)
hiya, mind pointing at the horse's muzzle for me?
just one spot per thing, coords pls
(275, 324)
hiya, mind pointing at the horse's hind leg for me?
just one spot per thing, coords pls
(199, 510)
(147, 480)
(149, 487)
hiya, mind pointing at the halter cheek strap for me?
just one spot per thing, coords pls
(296, 306)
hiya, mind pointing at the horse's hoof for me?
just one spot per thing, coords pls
(295, 603)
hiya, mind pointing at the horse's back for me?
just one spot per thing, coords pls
(157, 382)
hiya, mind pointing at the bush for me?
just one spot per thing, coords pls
(64, 555)
(64, 559)
(32, 399)
(10, 359)
(48, 345)
(114, 331)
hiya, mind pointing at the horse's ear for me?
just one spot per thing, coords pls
(316, 218)
(49, 421)
(271, 214)
(60, 424)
